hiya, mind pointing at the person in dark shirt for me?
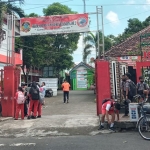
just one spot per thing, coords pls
(142, 87)
(123, 86)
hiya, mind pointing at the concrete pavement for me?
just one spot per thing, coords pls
(76, 117)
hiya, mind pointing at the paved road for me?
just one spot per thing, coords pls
(81, 103)
(116, 141)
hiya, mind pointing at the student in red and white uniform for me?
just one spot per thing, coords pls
(41, 101)
(19, 97)
(109, 109)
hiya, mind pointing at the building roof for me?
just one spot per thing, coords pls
(131, 46)
(87, 66)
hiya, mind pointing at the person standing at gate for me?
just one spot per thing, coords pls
(34, 100)
(41, 100)
(130, 92)
(123, 87)
(24, 88)
(142, 88)
(44, 91)
(20, 98)
(66, 86)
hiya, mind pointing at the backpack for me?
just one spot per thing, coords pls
(41, 89)
(106, 100)
(138, 86)
(21, 98)
(35, 94)
(132, 87)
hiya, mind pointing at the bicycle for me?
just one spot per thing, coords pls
(143, 124)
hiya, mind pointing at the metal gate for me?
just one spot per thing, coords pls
(1, 87)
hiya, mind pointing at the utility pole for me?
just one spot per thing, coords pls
(100, 11)
(84, 6)
(98, 48)
(84, 10)
(103, 32)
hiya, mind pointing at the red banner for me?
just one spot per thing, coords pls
(69, 23)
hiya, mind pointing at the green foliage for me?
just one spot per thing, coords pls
(57, 9)
(134, 26)
(63, 44)
(91, 41)
(90, 79)
(49, 50)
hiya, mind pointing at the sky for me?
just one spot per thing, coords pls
(115, 15)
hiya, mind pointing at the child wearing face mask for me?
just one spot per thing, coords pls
(142, 88)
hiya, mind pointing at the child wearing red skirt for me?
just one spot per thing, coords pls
(19, 97)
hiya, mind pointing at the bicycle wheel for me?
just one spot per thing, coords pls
(144, 127)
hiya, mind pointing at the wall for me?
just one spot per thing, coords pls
(7, 46)
(117, 69)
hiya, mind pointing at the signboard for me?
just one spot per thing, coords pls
(50, 83)
(81, 78)
(69, 23)
(133, 111)
(130, 60)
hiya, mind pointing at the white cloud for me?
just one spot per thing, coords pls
(130, 2)
(147, 6)
(113, 18)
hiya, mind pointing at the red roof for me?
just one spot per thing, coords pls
(131, 46)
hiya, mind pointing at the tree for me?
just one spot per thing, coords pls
(49, 50)
(57, 9)
(91, 41)
(134, 26)
(32, 51)
(146, 22)
(63, 44)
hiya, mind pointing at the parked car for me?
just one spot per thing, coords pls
(49, 92)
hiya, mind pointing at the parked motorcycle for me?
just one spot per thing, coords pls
(49, 93)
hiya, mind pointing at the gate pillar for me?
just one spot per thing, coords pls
(102, 82)
(11, 82)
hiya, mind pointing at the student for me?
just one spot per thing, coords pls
(44, 91)
(123, 86)
(65, 86)
(128, 87)
(34, 100)
(130, 92)
(108, 109)
(142, 88)
(41, 90)
(24, 88)
(19, 103)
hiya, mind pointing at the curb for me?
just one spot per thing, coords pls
(122, 125)
(5, 118)
(125, 124)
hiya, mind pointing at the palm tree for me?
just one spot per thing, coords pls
(90, 42)
(8, 7)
